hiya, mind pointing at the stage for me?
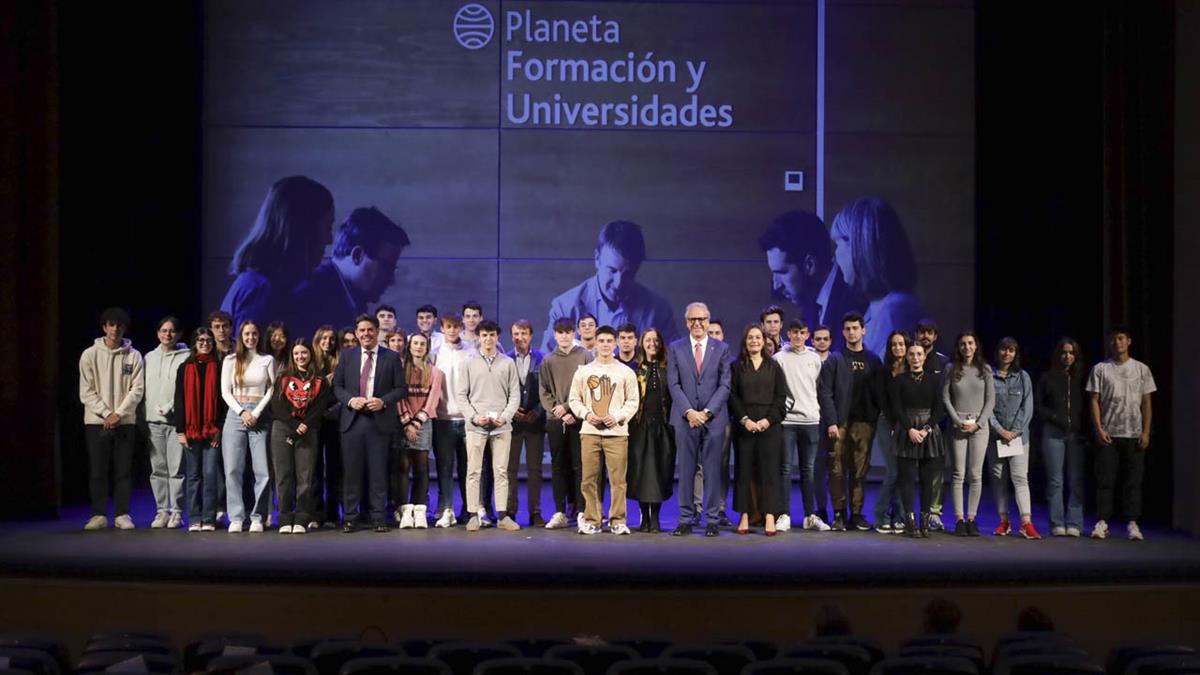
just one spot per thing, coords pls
(547, 558)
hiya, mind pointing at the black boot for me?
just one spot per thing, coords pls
(655, 511)
(910, 527)
(644, 523)
(925, 528)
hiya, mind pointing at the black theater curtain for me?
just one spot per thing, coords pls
(1138, 222)
(29, 274)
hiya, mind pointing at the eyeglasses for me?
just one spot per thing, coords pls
(204, 341)
(697, 319)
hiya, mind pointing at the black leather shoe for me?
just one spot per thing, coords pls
(654, 524)
(349, 527)
(960, 529)
(839, 523)
(712, 530)
(681, 530)
(724, 520)
(380, 526)
(972, 529)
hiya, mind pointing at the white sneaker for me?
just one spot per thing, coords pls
(1073, 532)
(783, 523)
(283, 529)
(1100, 531)
(297, 529)
(175, 521)
(621, 528)
(235, 526)
(420, 516)
(1059, 532)
(208, 528)
(97, 523)
(507, 523)
(473, 524)
(1135, 532)
(312, 525)
(160, 520)
(558, 521)
(816, 524)
(194, 527)
(447, 519)
(405, 517)
(123, 522)
(256, 526)
(587, 528)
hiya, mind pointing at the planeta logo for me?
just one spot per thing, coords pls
(473, 26)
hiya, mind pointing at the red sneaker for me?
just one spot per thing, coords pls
(1029, 531)
(1003, 529)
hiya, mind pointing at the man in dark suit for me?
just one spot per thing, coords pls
(698, 378)
(368, 382)
(529, 425)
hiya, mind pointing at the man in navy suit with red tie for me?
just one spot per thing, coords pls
(698, 377)
(368, 382)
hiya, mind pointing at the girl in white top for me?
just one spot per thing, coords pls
(246, 386)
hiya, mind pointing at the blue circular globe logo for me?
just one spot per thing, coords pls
(473, 26)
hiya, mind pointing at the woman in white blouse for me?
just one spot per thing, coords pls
(246, 386)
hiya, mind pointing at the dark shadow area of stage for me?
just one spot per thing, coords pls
(536, 557)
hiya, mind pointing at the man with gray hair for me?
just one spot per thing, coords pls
(698, 378)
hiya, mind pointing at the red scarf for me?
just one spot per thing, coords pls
(200, 426)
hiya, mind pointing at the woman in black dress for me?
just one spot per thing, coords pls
(917, 408)
(757, 402)
(651, 472)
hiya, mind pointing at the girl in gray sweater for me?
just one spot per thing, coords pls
(969, 396)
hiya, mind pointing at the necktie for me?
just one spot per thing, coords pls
(365, 374)
(699, 358)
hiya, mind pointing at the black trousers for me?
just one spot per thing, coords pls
(327, 474)
(927, 472)
(534, 442)
(364, 452)
(566, 465)
(110, 455)
(1124, 459)
(294, 467)
(758, 458)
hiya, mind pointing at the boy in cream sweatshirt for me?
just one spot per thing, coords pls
(110, 388)
(604, 395)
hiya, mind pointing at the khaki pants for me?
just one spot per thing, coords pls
(850, 455)
(615, 451)
(476, 445)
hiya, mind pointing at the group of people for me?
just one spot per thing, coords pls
(337, 430)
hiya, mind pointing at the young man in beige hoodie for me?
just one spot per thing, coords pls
(110, 388)
(604, 394)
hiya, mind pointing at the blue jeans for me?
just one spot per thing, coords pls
(236, 439)
(202, 475)
(1061, 448)
(888, 495)
(449, 436)
(806, 439)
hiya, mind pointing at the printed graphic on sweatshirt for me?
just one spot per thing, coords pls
(600, 393)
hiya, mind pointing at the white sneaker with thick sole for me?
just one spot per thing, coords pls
(312, 525)
(256, 526)
(783, 523)
(447, 519)
(208, 528)
(123, 522)
(160, 520)
(558, 521)
(297, 529)
(1100, 531)
(623, 529)
(507, 523)
(816, 524)
(283, 529)
(1073, 532)
(175, 521)
(420, 516)
(235, 526)
(1058, 531)
(194, 527)
(405, 516)
(587, 528)
(97, 523)
(1135, 532)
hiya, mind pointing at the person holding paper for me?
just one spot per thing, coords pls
(1009, 451)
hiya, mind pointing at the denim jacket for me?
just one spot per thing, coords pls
(1014, 402)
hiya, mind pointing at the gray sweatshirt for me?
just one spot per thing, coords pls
(484, 388)
(971, 395)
